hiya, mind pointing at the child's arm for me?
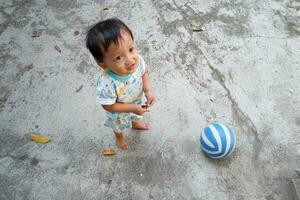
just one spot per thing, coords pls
(147, 89)
(125, 107)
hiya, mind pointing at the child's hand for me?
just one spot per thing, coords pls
(150, 99)
(140, 110)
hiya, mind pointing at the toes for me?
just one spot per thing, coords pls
(121, 142)
(140, 125)
(122, 145)
(146, 127)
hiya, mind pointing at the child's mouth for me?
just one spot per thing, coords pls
(131, 68)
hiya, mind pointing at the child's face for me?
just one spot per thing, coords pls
(121, 59)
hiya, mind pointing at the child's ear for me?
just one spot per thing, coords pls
(101, 64)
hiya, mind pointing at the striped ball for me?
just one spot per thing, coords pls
(217, 140)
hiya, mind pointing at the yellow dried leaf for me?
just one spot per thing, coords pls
(108, 152)
(38, 138)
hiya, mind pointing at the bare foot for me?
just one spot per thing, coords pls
(140, 125)
(121, 141)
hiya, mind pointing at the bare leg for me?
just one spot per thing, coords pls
(121, 140)
(140, 125)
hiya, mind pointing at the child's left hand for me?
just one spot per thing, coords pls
(150, 99)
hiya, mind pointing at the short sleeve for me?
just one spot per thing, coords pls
(106, 93)
(142, 65)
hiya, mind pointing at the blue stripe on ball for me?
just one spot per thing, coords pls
(211, 140)
(223, 138)
(209, 137)
(205, 146)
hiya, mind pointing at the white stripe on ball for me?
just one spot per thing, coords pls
(217, 137)
(207, 141)
(228, 138)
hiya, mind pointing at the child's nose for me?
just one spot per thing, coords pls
(130, 61)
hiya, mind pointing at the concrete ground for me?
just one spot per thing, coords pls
(242, 69)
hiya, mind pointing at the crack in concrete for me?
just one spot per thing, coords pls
(240, 115)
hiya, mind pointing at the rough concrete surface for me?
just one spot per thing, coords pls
(242, 70)
(296, 183)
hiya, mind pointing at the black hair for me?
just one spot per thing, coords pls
(103, 34)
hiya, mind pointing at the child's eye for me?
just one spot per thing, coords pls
(117, 58)
(131, 49)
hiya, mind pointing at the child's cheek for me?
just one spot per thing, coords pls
(137, 58)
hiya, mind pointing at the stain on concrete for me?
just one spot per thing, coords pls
(291, 22)
(6, 191)
(84, 66)
(182, 118)
(237, 25)
(12, 141)
(293, 28)
(23, 157)
(183, 56)
(62, 5)
(297, 121)
(4, 94)
(34, 162)
(153, 169)
(283, 189)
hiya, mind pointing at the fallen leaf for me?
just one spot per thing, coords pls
(196, 28)
(36, 34)
(57, 48)
(103, 7)
(108, 152)
(30, 66)
(38, 139)
(76, 33)
(79, 88)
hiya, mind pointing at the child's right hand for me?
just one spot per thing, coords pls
(140, 110)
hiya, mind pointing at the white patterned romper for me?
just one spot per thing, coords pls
(112, 88)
